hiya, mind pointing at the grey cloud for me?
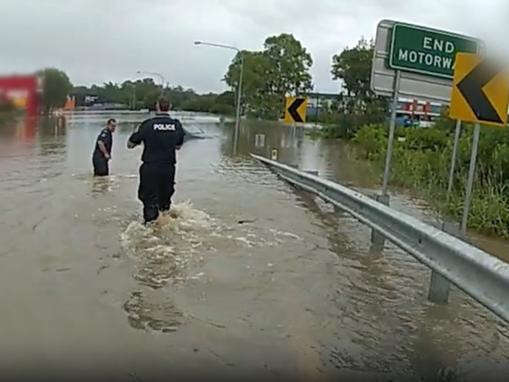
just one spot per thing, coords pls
(96, 40)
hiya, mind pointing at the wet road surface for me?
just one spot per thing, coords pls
(246, 278)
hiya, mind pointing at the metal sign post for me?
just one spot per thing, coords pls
(392, 127)
(377, 239)
(440, 286)
(470, 182)
(412, 61)
(453, 160)
(480, 94)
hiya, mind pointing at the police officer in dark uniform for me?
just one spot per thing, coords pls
(102, 152)
(161, 136)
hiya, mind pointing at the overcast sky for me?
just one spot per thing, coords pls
(109, 40)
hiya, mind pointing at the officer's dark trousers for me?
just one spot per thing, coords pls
(101, 167)
(157, 186)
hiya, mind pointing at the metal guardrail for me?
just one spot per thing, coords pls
(477, 273)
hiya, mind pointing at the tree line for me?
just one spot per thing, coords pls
(143, 94)
(280, 69)
(133, 95)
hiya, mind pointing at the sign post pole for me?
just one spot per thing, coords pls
(392, 127)
(470, 182)
(377, 239)
(439, 286)
(453, 160)
(473, 101)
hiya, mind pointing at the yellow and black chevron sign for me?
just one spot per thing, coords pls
(296, 108)
(480, 91)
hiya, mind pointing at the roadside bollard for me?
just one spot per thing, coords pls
(273, 154)
(259, 140)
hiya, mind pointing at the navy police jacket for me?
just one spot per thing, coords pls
(161, 136)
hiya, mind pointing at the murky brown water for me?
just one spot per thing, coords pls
(245, 278)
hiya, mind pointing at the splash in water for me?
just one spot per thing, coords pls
(162, 252)
(163, 249)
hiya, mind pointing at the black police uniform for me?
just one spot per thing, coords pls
(160, 136)
(99, 161)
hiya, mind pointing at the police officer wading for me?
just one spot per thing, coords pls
(102, 152)
(161, 136)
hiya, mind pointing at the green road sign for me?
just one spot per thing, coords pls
(427, 51)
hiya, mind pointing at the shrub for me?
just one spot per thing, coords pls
(422, 160)
(373, 139)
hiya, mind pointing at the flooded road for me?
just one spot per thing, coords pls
(245, 278)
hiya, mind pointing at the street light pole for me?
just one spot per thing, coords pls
(239, 95)
(239, 88)
(133, 105)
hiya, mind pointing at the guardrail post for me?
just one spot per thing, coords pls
(377, 239)
(439, 287)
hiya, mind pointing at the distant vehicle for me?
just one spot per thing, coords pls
(425, 124)
(194, 132)
(407, 121)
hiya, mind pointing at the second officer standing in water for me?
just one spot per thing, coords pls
(102, 151)
(161, 136)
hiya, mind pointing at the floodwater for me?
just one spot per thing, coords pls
(245, 278)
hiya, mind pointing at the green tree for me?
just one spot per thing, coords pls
(353, 68)
(289, 65)
(56, 87)
(111, 92)
(128, 94)
(358, 105)
(255, 87)
(179, 96)
(147, 93)
(281, 69)
(224, 103)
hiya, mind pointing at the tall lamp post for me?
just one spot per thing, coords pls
(239, 89)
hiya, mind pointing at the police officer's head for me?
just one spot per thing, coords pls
(111, 124)
(163, 105)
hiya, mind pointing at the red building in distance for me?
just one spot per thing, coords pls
(21, 91)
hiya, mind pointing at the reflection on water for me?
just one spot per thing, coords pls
(250, 263)
(159, 315)
(340, 162)
(385, 322)
(101, 185)
(333, 159)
